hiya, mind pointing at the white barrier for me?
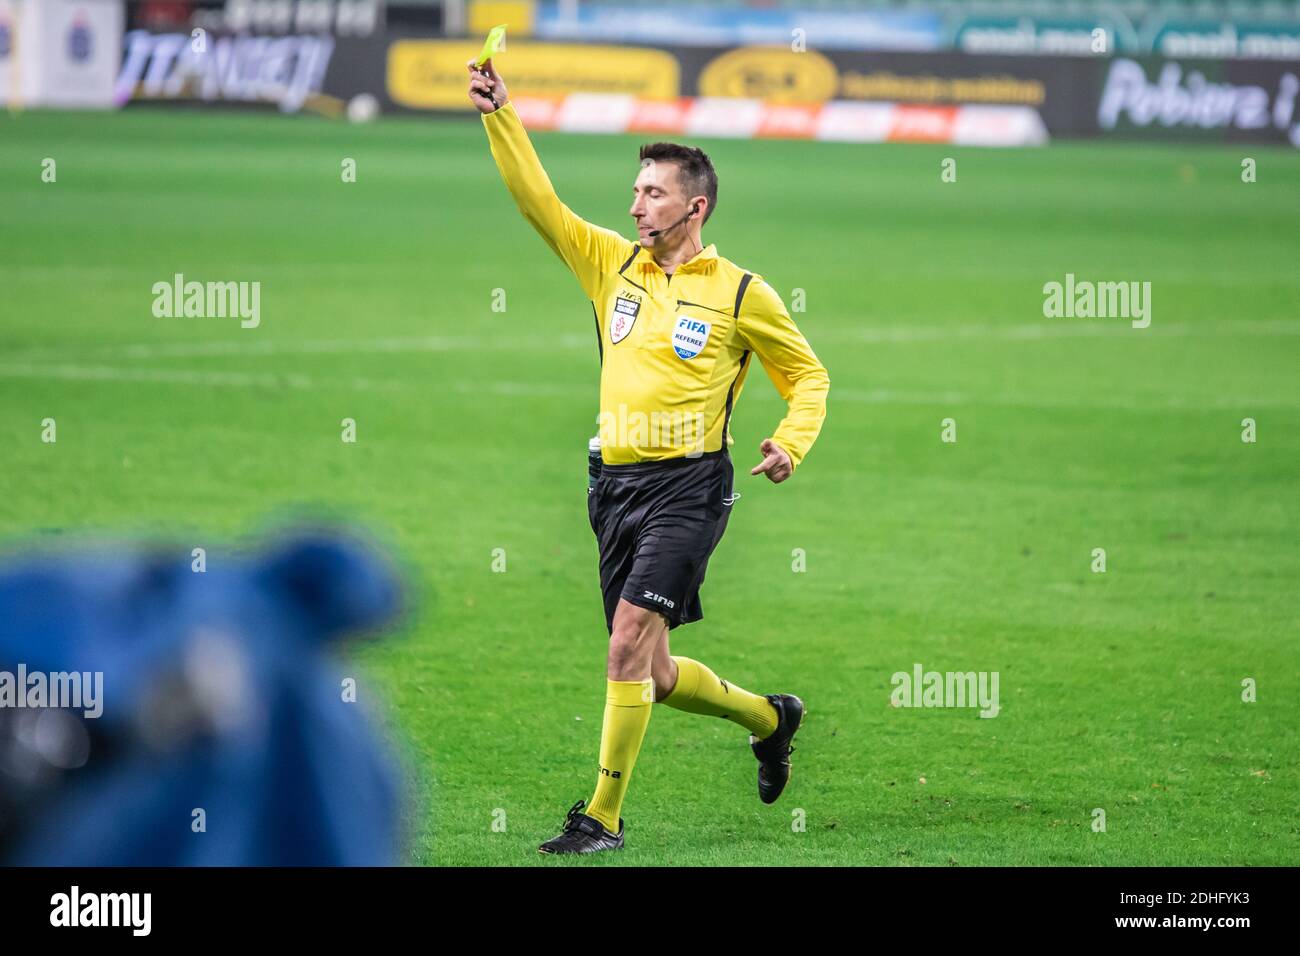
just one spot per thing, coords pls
(60, 53)
(838, 120)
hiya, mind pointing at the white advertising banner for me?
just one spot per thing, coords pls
(63, 53)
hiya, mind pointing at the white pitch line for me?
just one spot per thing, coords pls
(941, 399)
(411, 271)
(108, 373)
(1155, 403)
(253, 348)
(202, 378)
(1064, 329)
(585, 341)
(251, 271)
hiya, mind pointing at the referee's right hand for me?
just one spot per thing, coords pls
(486, 85)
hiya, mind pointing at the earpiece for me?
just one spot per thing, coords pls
(695, 208)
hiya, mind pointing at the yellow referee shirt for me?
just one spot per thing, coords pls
(674, 350)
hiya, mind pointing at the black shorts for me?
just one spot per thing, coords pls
(657, 522)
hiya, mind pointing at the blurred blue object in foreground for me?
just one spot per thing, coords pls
(226, 735)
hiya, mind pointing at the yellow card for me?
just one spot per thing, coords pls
(491, 44)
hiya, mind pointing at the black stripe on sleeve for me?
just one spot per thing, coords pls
(740, 294)
(744, 359)
(731, 396)
(600, 346)
(635, 250)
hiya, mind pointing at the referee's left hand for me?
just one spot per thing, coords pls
(775, 464)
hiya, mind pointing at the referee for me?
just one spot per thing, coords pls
(676, 326)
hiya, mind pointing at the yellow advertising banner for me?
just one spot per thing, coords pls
(928, 88)
(485, 14)
(775, 74)
(430, 74)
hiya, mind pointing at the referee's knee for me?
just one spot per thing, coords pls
(632, 642)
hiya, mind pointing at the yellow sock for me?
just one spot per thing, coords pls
(627, 712)
(700, 691)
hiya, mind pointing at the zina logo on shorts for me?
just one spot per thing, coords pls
(689, 336)
(621, 320)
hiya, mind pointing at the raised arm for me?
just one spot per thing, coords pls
(766, 327)
(586, 249)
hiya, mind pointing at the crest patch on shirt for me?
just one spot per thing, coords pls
(690, 336)
(626, 308)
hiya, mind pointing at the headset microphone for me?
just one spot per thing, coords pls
(656, 232)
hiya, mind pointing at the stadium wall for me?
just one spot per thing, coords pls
(850, 95)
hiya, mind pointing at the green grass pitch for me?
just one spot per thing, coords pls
(1119, 690)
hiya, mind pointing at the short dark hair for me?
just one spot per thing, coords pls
(694, 167)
